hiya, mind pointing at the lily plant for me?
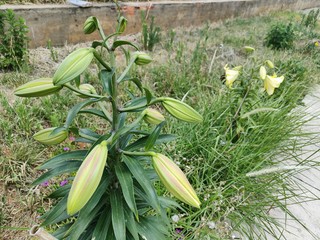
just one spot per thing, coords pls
(111, 193)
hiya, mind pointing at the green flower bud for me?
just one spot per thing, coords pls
(174, 180)
(73, 65)
(141, 58)
(249, 49)
(37, 88)
(90, 25)
(181, 110)
(46, 137)
(87, 178)
(270, 64)
(122, 24)
(87, 89)
(153, 116)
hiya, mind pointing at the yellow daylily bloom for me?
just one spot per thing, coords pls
(231, 75)
(272, 82)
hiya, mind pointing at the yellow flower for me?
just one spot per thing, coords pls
(231, 75)
(272, 82)
(316, 43)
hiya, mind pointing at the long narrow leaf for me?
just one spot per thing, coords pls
(131, 223)
(153, 137)
(138, 172)
(141, 142)
(103, 225)
(56, 161)
(57, 214)
(117, 215)
(65, 167)
(126, 182)
(75, 110)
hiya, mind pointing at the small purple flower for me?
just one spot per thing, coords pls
(45, 184)
(178, 230)
(64, 182)
(66, 149)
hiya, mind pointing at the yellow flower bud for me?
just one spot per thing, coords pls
(87, 89)
(37, 88)
(73, 65)
(153, 116)
(90, 25)
(174, 180)
(141, 58)
(181, 110)
(46, 137)
(270, 64)
(87, 178)
(263, 72)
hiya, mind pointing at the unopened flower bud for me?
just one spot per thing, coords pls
(153, 116)
(86, 89)
(90, 25)
(47, 137)
(174, 180)
(37, 88)
(249, 49)
(270, 64)
(87, 178)
(73, 65)
(263, 72)
(141, 58)
(181, 110)
(122, 24)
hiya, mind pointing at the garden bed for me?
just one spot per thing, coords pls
(234, 139)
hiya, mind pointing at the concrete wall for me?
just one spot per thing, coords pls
(63, 23)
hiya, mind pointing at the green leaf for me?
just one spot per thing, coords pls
(64, 167)
(126, 182)
(57, 214)
(62, 231)
(149, 95)
(83, 222)
(139, 173)
(57, 160)
(95, 112)
(77, 80)
(136, 105)
(96, 44)
(60, 192)
(131, 223)
(88, 132)
(141, 142)
(152, 228)
(106, 79)
(136, 81)
(117, 215)
(151, 140)
(103, 225)
(91, 209)
(76, 108)
(119, 43)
